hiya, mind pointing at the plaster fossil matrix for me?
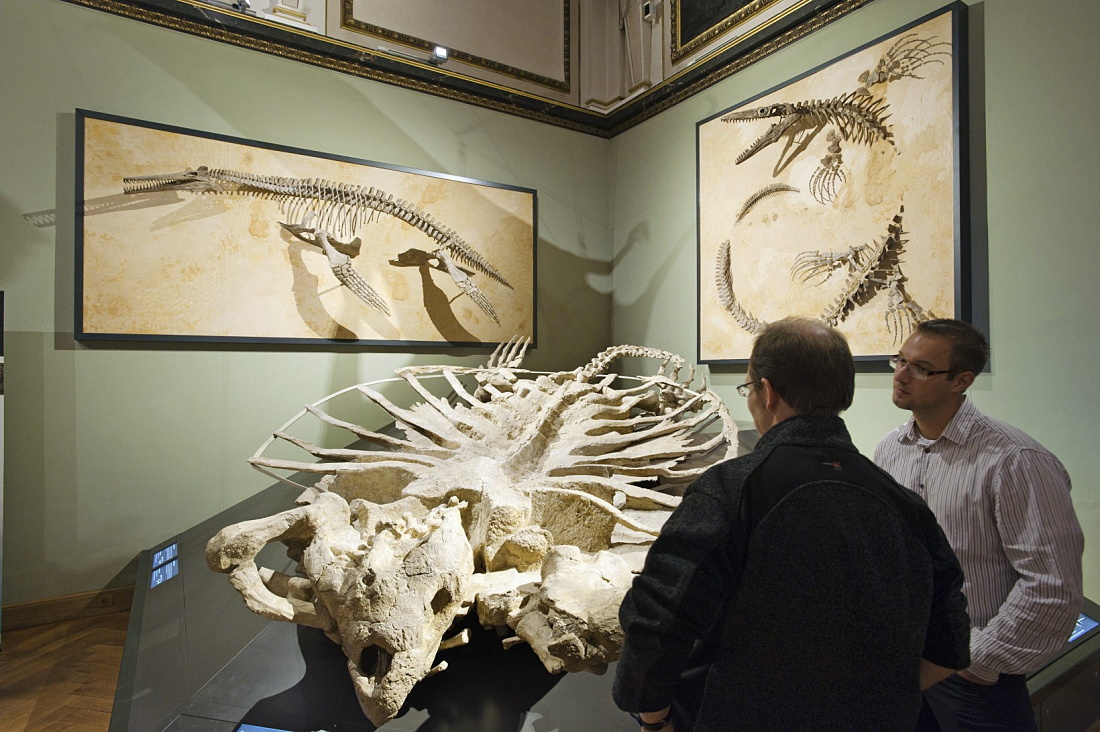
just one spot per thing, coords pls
(531, 497)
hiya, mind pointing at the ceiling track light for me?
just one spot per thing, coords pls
(438, 57)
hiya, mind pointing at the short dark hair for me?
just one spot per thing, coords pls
(969, 348)
(808, 364)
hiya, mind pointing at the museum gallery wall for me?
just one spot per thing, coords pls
(166, 474)
(1, 447)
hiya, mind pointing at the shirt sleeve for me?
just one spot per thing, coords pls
(1042, 539)
(675, 601)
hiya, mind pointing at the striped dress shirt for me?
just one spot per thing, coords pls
(1003, 501)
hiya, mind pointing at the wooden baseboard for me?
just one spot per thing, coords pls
(66, 607)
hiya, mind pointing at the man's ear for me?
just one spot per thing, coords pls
(771, 396)
(962, 381)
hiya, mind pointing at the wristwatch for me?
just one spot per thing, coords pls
(652, 726)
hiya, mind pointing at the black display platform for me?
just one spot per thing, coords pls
(1065, 694)
(197, 660)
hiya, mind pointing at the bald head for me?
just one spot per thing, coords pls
(808, 364)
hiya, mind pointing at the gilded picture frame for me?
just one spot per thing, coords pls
(185, 235)
(840, 195)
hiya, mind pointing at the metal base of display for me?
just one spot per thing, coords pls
(196, 660)
(1065, 694)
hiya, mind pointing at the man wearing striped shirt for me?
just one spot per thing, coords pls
(1003, 501)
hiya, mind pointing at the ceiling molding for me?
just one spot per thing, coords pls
(227, 25)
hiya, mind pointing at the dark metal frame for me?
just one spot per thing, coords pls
(85, 208)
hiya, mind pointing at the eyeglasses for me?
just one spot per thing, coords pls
(918, 372)
(743, 390)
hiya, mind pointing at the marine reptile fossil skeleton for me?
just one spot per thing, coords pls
(330, 215)
(871, 268)
(533, 496)
(860, 117)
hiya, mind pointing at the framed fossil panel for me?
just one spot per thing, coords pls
(187, 235)
(840, 195)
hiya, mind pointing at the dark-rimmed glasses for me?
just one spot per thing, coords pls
(743, 390)
(918, 372)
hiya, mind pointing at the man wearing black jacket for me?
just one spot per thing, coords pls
(799, 586)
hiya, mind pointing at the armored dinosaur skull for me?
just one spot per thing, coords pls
(393, 608)
(386, 590)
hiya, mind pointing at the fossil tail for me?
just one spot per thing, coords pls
(725, 293)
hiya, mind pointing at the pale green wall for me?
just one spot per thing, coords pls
(112, 450)
(1042, 115)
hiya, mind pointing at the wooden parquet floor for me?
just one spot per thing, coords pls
(61, 677)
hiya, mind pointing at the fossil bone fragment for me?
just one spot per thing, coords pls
(908, 54)
(765, 192)
(726, 295)
(340, 211)
(871, 269)
(339, 262)
(530, 496)
(387, 596)
(571, 621)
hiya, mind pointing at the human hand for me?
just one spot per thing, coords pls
(656, 721)
(669, 727)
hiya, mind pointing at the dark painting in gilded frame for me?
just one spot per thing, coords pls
(694, 18)
(407, 256)
(743, 24)
(863, 224)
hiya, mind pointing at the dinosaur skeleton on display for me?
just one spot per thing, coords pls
(531, 496)
(859, 117)
(330, 214)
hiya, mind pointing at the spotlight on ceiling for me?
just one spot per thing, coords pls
(438, 57)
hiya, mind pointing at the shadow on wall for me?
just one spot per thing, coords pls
(642, 305)
(574, 319)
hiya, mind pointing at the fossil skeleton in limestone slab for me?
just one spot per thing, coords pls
(859, 116)
(868, 269)
(532, 496)
(330, 215)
